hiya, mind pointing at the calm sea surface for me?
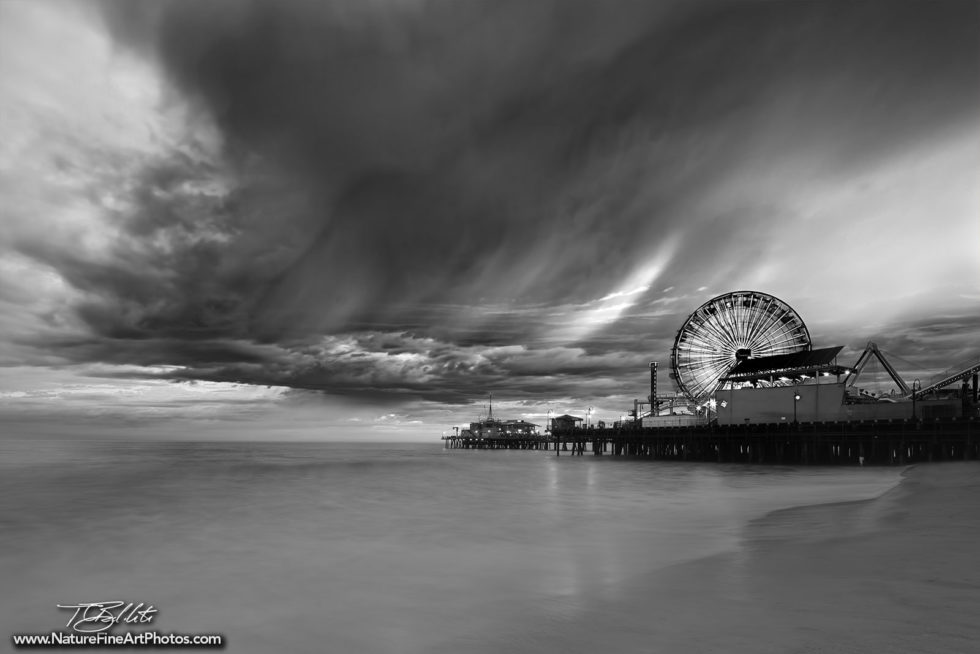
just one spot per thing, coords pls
(364, 548)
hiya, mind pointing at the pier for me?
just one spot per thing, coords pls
(743, 364)
(878, 442)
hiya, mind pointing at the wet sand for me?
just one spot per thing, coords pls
(895, 574)
(899, 573)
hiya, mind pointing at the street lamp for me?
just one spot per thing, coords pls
(916, 386)
(796, 399)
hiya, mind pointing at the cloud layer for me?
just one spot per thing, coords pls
(430, 200)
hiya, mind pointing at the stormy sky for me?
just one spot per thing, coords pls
(358, 218)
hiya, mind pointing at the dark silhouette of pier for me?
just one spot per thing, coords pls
(878, 442)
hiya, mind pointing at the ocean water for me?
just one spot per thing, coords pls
(367, 547)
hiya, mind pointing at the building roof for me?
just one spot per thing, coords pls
(568, 417)
(796, 362)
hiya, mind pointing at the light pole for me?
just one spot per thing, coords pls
(916, 386)
(796, 399)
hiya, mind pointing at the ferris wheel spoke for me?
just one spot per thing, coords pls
(712, 324)
(778, 331)
(784, 338)
(744, 321)
(773, 322)
(760, 318)
(720, 335)
(739, 321)
(707, 359)
(726, 325)
(712, 348)
(768, 321)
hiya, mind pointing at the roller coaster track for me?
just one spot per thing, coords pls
(951, 375)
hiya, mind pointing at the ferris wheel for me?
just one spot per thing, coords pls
(728, 329)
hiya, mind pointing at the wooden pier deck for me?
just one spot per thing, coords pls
(897, 442)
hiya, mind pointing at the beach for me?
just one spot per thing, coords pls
(894, 574)
(897, 573)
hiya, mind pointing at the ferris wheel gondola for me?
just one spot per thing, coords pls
(728, 329)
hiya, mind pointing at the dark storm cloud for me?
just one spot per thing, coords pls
(458, 171)
(383, 367)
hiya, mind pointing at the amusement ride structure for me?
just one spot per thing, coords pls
(727, 330)
(753, 341)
